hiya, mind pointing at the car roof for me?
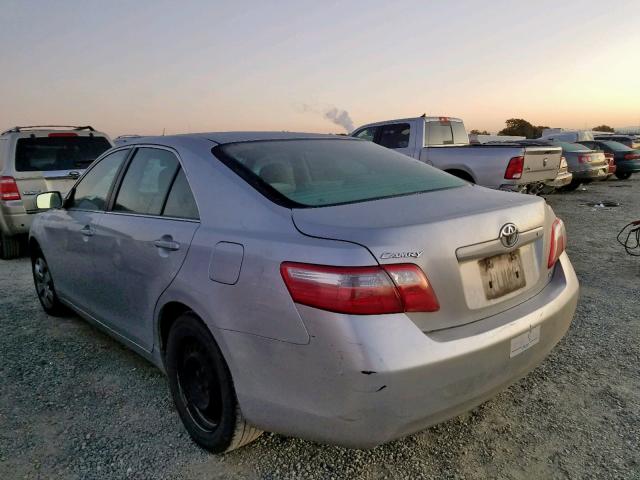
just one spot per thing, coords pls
(230, 137)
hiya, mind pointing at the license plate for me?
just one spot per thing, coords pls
(524, 341)
(502, 274)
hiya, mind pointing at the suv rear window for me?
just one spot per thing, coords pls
(323, 172)
(43, 154)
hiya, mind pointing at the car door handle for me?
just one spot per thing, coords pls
(87, 231)
(167, 244)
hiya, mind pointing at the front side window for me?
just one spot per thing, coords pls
(64, 152)
(146, 183)
(395, 135)
(321, 172)
(368, 133)
(93, 189)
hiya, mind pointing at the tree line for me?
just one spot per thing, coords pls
(522, 128)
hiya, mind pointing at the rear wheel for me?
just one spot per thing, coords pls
(44, 286)
(202, 388)
(623, 175)
(9, 247)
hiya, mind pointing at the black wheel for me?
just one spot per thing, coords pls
(44, 286)
(623, 175)
(9, 247)
(202, 388)
(571, 187)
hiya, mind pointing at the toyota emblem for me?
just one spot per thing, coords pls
(509, 235)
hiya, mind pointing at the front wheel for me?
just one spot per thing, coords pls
(44, 287)
(623, 175)
(202, 388)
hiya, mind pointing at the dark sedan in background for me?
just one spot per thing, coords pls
(627, 159)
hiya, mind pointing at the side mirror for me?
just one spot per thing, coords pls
(48, 200)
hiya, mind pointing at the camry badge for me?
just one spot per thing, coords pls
(508, 235)
(387, 255)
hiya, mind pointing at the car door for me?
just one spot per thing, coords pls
(142, 241)
(70, 244)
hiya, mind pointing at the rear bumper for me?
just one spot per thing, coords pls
(363, 381)
(561, 180)
(592, 173)
(628, 166)
(14, 220)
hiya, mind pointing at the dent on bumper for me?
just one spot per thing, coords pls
(363, 381)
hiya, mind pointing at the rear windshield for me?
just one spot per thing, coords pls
(445, 133)
(42, 154)
(572, 147)
(323, 172)
(617, 146)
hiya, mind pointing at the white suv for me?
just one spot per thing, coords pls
(39, 159)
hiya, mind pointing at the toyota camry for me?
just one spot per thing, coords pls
(316, 286)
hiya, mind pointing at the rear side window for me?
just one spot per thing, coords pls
(395, 135)
(368, 133)
(92, 191)
(146, 183)
(180, 202)
(615, 146)
(322, 172)
(439, 133)
(43, 154)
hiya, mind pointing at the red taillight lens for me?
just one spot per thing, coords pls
(558, 242)
(583, 158)
(360, 290)
(62, 134)
(9, 189)
(514, 169)
(632, 156)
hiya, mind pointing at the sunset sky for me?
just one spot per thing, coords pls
(144, 66)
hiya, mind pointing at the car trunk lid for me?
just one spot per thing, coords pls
(450, 234)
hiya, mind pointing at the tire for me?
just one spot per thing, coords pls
(571, 187)
(9, 247)
(45, 289)
(623, 175)
(202, 388)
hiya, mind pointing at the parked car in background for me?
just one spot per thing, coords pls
(34, 160)
(627, 159)
(312, 285)
(629, 140)
(585, 164)
(443, 142)
(562, 135)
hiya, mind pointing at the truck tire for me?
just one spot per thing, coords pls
(571, 187)
(623, 175)
(202, 388)
(461, 174)
(9, 247)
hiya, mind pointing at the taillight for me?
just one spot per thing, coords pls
(360, 290)
(514, 169)
(583, 158)
(9, 189)
(558, 242)
(632, 156)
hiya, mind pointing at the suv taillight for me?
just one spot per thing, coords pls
(558, 242)
(360, 290)
(9, 189)
(514, 169)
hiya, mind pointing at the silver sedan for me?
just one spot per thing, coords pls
(316, 286)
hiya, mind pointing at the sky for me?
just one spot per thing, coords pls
(145, 67)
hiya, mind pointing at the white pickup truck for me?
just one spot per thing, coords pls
(443, 142)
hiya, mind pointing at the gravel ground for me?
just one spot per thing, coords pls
(76, 404)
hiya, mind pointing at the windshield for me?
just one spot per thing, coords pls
(572, 147)
(323, 172)
(42, 154)
(617, 146)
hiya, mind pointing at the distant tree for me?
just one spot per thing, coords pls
(522, 128)
(479, 132)
(603, 128)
